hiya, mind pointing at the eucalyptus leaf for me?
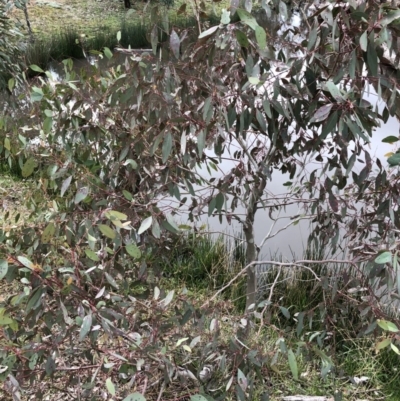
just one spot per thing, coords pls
(293, 364)
(107, 231)
(28, 167)
(133, 251)
(384, 257)
(110, 386)
(3, 268)
(48, 233)
(146, 224)
(86, 326)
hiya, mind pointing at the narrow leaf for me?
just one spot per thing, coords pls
(86, 326)
(383, 344)
(48, 233)
(175, 43)
(28, 167)
(209, 32)
(293, 364)
(167, 146)
(364, 41)
(247, 19)
(115, 215)
(3, 268)
(65, 185)
(322, 113)
(261, 37)
(35, 68)
(110, 386)
(108, 53)
(146, 224)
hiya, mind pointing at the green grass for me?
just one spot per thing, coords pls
(203, 264)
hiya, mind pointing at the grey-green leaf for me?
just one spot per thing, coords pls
(50, 366)
(86, 326)
(146, 224)
(225, 17)
(133, 250)
(81, 194)
(364, 41)
(201, 142)
(175, 43)
(3, 268)
(167, 146)
(28, 167)
(247, 19)
(293, 364)
(394, 160)
(110, 386)
(108, 53)
(209, 32)
(65, 185)
(261, 37)
(322, 113)
(385, 257)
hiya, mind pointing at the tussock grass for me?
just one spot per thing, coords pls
(203, 264)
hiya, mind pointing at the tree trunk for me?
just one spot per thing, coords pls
(28, 23)
(251, 256)
(251, 247)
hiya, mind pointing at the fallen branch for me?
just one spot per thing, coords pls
(299, 263)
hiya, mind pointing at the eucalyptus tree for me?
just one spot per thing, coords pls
(114, 142)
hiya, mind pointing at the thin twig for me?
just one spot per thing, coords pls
(161, 392)
(271, 291)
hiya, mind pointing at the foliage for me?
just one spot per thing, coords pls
(119, 156)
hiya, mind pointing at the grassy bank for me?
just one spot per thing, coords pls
(63, 29)
(85, 16)
(71, 43)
